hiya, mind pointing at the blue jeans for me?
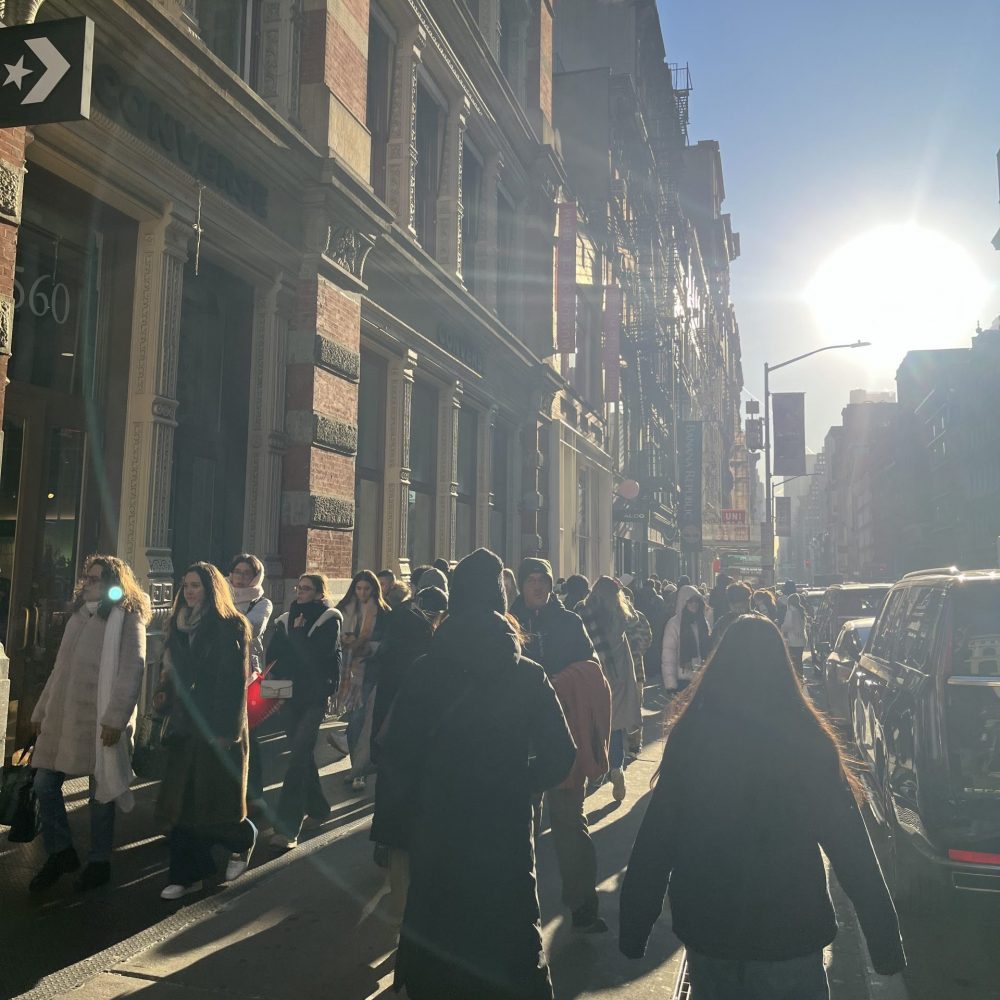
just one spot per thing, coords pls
(726, 979)
(55, 823)
(616, 749)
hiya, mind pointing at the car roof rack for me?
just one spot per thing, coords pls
(934, 571)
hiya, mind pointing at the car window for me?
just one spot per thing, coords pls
(862, 632)
(918, 626)
(860, 603)
(976, 630)
(882, 641)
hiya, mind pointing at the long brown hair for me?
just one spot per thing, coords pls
(115, 572)
(351, 595)
(609, 605)
(218, 605)
(749, 679)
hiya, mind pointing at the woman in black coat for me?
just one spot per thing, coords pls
(476, 730)
(751, 786)
(202, 797)
(306, 649)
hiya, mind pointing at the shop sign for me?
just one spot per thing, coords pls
(689, 518)
(566, 279)
(47, 72)
(459, 346)
(731, 516)
(789, 412)
(124, 102)
(783, 517)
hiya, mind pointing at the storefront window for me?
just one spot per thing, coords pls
(465, 532)
(498, 491)
(370, 463)
(423, 474)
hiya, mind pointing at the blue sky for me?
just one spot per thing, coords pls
(835, 118)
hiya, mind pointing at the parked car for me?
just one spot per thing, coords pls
(925, 713)
(842, 603)
(840, 665)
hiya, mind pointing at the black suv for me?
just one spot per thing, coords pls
(842, 603)
(925, 712)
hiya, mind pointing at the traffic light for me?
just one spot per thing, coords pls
(755, 434)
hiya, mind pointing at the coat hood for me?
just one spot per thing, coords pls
(685, 594)
(477, 642)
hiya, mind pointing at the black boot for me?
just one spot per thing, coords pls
(97, 873)
(586, 920)
(60, 863)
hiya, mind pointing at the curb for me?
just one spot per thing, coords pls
(79, 974)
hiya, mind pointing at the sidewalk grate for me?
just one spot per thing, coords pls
(682, 988)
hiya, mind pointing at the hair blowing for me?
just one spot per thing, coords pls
(115, 572)
(749, 682)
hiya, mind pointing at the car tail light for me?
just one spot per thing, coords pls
(974, 857)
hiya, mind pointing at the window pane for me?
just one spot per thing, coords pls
(498, 533)
(428, 168)
(498, 484)
(423, 435)
(465, 530)
(472, 180)
(368, 525)
(371, 414)
(420, 528)
(379, 75)
(468, 429)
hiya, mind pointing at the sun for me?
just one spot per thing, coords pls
(902, 287)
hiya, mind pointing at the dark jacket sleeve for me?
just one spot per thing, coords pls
(844, 838)
(228, 708)
(555, 751)
(575, 640)
(649, 867)
(320, 653)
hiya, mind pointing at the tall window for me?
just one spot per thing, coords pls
(369, 465)
(505, 259)
(423, 474)
(430, 136)
(498, 490)
(231, 30)
(583, 521)
(472, 192)
(465, 531)
(380, 56)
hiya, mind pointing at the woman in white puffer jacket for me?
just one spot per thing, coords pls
(794, 630)
(685, 640)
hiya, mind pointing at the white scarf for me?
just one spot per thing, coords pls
(113, 769)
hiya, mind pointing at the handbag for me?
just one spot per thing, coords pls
(18, 802)
(152, 738)
(277, 688)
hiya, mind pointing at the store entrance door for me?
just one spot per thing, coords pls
(41, 495)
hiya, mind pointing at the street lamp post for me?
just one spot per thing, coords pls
(768, 556)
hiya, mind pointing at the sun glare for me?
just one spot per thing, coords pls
(903, 288)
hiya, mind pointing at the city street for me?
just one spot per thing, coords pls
(313, 922)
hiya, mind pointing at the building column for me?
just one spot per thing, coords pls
(449, 403)
(486, 246)
(397, 464)
(265, 453)
(449, 203)
(143, 533)
(402, 150)
(280, 57)
(485, 499)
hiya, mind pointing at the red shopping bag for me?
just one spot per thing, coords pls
(259, 708)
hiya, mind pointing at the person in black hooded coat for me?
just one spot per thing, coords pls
(476, 730)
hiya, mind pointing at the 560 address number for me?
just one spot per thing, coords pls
(44, 297)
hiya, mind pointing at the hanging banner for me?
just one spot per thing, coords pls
(566, 279)
(783, 517)
(612, 343)
(689, 519)
(788, 410)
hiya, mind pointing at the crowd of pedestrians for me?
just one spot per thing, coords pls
(482, 699)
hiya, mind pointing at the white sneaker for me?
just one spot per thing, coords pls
(176, 891)
(358, 784)
(283, 843)
(617, 778)
(239, 863)
(339, 743)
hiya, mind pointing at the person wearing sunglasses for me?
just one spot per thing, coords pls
(305, 648)
(83, 719)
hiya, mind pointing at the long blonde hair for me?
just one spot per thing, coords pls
(608, 604)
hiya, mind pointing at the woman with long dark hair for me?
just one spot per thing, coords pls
(246, 580)
(84, 716)
(364, 610)
(306, 649)
(621, 635)
(202, 688)
(752, 785)
(685, 640)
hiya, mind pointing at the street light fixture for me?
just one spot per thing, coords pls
(767, 558)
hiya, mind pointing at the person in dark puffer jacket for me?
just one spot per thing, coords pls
(751, 786)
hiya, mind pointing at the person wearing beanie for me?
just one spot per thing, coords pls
(575, 590)
(476, 730)
(683, 581)
(432, 577)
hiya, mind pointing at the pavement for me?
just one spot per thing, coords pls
(314, 922)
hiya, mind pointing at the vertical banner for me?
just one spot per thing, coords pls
(612, 343)
(566, 279)
(783, 517)
(689, 517)
(788, 410)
